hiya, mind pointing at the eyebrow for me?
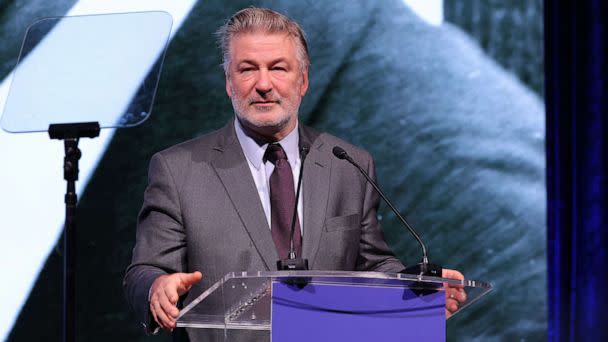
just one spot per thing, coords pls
(273, 62)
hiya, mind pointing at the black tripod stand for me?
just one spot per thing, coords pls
(71, 134)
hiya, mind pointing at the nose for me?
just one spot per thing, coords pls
(263, 85)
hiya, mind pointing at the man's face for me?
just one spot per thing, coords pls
(265, 82)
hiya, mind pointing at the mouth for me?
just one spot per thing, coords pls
(263, 103)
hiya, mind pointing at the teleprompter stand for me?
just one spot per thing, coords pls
(71, 134)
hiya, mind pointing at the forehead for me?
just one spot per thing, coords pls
(262, 45)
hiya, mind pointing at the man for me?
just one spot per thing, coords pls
(213, 205)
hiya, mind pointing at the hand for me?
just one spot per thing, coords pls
(164, 293)
(454, 294)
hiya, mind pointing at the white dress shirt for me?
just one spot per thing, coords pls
(261, 171)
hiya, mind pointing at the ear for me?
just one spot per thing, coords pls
(228, 87)
(304, 86)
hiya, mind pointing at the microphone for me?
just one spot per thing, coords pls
(424, 268)
(293, 263)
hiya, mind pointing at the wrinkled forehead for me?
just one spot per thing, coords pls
(259, 36)
(263, 43)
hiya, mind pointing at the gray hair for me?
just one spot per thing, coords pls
(261, 19)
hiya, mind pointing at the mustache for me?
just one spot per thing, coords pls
(267, 99)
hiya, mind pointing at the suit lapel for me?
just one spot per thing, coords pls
(232, 169)
(315, 184)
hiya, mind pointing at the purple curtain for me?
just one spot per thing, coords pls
(577, 167)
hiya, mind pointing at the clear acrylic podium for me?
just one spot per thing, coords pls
(329, 305)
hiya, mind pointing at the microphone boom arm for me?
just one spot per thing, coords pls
(424, 267)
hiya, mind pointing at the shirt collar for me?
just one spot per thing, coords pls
(255, 152)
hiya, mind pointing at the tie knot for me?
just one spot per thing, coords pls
(275, 152)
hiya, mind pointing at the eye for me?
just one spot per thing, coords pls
(279, 68)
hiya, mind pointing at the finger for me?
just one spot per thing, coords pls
(153, 311)
(163, 320)
(461, 295)
(456, 293)
(448, 314)
(453, 286)
(187, 280)
(453, 299)
(451, 305)
(168, 307)
(171, 292)
(452, 274)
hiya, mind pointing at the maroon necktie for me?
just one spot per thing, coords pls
(282, 202)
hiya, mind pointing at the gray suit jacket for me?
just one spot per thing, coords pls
(201, 212)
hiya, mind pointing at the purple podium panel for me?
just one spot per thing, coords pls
(345, 312)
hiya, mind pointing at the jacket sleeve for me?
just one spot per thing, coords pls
(160, 244)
